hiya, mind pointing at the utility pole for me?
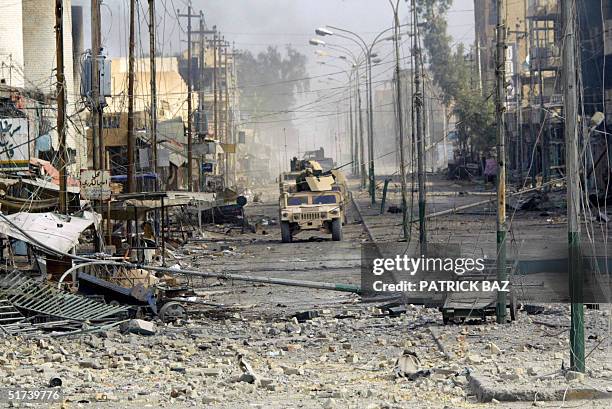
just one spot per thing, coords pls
(544, 121)
(356, 116)
(350, 120)
(478, 65)
(361, 141)
(215, 74)
(61, 105)
(202, 63)
(236, 113)
(189, 108)
(201, 109)
(577, 358)
(286, 160)
(153, 70)
(418, 103)
(96, 115)
(500, 107)
(130, 121)
(400, 120)
(189, 101)
(228, 136)
(371, 128)
(98, 157)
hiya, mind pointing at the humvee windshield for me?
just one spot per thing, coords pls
(324, 199)
(297, 200)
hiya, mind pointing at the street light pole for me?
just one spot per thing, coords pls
(368, 78)
(367, 52)
(371, 129)
(351, 126)
(356, 63)
(400, 122)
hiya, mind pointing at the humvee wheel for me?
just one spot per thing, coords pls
(286, 232)
(336, 229)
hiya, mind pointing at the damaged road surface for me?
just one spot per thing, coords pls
(293, 347)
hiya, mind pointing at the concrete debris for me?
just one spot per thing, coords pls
(574, 376)
(409, 366)
(248, 375)
(140, 327)
(494, 349)
(305, 316)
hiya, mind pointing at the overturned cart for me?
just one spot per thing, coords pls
(124, 284)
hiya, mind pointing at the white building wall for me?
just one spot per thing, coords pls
(39, 52)
(11, 44)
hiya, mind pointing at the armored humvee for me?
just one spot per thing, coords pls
(315, 202)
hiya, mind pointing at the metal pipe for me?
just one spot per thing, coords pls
(238, 277)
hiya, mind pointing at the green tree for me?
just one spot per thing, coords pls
(268, 82)
(453, 73)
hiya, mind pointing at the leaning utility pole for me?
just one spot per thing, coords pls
(418, 103)
(577, 357)
(131, 182)
(500, 107)
(61, 105)
(153, 71)
(400, 121)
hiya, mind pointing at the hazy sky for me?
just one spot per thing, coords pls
(255, 24)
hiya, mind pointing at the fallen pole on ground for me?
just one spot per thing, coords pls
(482, 202)
(255, 279)
(348, 288)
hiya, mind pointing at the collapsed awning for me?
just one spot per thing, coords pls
(51, 229)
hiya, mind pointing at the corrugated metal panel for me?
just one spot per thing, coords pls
(40, 298)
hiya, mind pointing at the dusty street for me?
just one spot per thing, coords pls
(247, 348)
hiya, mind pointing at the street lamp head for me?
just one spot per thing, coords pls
(373, 55)
(321, 31)
(342, 57)
(316, 41)
(376, 61)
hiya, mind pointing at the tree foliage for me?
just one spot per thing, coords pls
(268, 82)
(453, 73)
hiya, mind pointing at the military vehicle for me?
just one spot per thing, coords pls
(315, 202)
(318, 155)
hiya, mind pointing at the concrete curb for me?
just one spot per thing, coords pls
(486, 390)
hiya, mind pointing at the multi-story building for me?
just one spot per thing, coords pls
(28, 62)
(535, 137)
(172, 114)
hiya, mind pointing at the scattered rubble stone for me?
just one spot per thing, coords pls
(141, 327)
